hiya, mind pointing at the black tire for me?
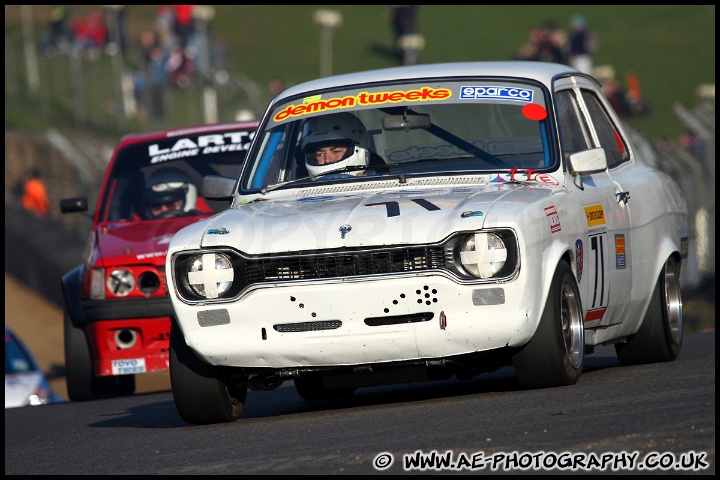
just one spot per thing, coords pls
(555, 355)
(203, 393)
(659, 338)
(312, 387)
(82, 384)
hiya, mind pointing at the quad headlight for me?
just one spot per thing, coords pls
(483, 254)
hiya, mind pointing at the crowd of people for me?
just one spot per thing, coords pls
(174, 53)
(577, 48)
(98, 32)
(549, 43)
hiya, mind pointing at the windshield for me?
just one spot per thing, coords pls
(413, 129)
(162, 177)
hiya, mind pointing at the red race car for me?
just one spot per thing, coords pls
(117, 311)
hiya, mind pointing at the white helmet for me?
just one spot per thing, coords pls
(336, 128)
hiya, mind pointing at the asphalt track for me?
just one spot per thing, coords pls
(620, 415)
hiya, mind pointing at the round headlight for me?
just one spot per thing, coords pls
(210, 274)
(148, 283)
(120, 282)
(483, 254)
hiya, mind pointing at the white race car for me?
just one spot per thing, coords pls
(416, 223)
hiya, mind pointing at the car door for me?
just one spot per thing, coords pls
(601, 264)
(610, 137)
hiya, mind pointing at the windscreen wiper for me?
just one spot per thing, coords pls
(348, 168)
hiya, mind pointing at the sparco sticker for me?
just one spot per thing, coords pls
(497, 93)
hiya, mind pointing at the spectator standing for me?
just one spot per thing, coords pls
(583, 44)
(117, 27)
(408, 43)
(165, 23)
(553, 43)
(528, 51)
(638, 105)
(157, 82)
(614, 92)
(276, 86)
(179, 67)
(184, 26)
(692, 142)
(59, 36)
(547, 43)
(35, 197)
(90, 34)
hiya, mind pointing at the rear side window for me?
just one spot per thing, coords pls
(615, 146)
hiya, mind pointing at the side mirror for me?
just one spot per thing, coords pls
(70, 205)
(588, 161)
(216, 187)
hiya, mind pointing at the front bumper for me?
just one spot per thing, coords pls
(96, 310)
(123, 347)
(360, 321)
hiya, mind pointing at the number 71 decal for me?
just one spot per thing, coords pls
(393, 208)
(596, 266)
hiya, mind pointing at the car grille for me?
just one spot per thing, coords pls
(250, 271)
(343, 264)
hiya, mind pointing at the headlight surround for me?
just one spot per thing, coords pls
(483, 254)
(210, 275)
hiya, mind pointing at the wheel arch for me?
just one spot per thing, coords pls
(72, 294)
(667, 248)
(556, 253)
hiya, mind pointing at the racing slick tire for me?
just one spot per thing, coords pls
(660, 336)
(555, 355)
(311, 387)
(81, 382)
(203, 393)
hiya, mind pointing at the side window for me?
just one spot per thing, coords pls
(125, 194)
(573, 131)
(615, 147)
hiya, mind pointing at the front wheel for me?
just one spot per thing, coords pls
(659, 338)
(203, 393)
(555, 355)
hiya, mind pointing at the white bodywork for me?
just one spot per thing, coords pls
(616, 249)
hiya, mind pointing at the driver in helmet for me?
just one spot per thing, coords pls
(169, 192)
(334, 141)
